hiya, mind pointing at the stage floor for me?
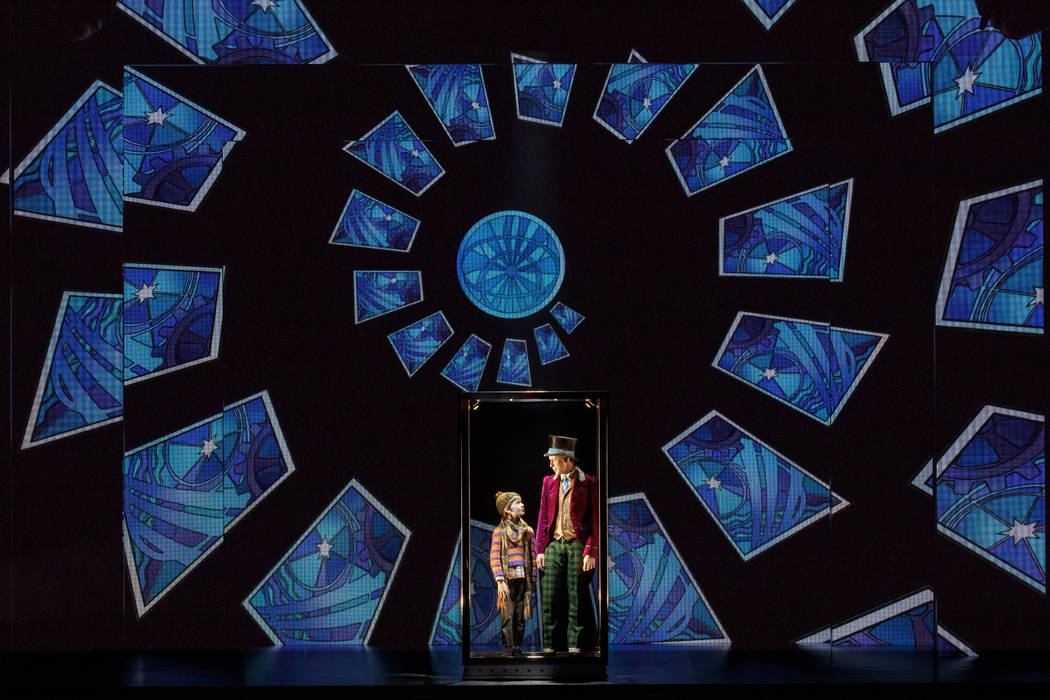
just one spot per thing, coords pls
(642, 670)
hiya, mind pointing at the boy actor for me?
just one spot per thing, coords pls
(510, 558)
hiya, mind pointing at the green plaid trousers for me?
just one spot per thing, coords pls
(562, 566)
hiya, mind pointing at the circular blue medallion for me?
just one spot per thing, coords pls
(510, 264)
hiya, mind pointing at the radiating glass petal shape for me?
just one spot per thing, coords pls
(566, 317)
(173, 148)
(392, 148)
(417, 342)
(811, 366)
(653, 597)
(634, 93)
(73, 175)
(468, 365)
(549, 344)
(514, 363)
(379, 292)
(541, 90)
(993, 278)
(82, 383)
(741, 132)
(329, 588)
(757, 496)
(368, 223)
(991, 492)
(172, 318)
(908, 623)
(510, 264)
(456, 94)
(231, 32)
(802, 236)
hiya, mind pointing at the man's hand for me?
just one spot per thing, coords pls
(502, 593)
(539, 561)
(588, 562)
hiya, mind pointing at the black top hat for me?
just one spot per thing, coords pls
(561, 445)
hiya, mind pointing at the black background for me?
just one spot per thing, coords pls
(641, 266)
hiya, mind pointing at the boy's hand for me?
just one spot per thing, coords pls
(502, 593)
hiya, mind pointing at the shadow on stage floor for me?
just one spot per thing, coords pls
(649, 671)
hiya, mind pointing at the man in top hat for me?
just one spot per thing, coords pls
(566, 539)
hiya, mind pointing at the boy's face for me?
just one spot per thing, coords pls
(517, 508)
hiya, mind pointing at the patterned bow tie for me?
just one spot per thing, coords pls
(565, 482)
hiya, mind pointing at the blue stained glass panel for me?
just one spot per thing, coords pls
(653, 597)
(368, 223)
(768, 11)
(757, 496)
(257, 457)
(185, 490)
(417, 342)
(378, 292)
(510, 264)
(514, 363)
(456, 93)
(232, 32)
(82, 382)
(993, 278)
(802, 236)
(974, 76)
(172, 318)
(73, 175)
(468, 365)
(566, 317)
(936, 50)
(173, 148)
(908, 623)
(549, 344)
(392, 148)
(811, 366)
(174, 507)
(991, 492)
(329, 588)
(741, 132)
(541, 90)
(634, 94)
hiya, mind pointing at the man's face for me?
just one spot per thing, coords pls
(560, 464)
(517, 508)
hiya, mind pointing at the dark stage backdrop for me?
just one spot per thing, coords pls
(641, 266)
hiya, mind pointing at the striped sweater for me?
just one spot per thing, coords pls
(515, 552)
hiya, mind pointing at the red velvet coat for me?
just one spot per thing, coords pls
(583, 511)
